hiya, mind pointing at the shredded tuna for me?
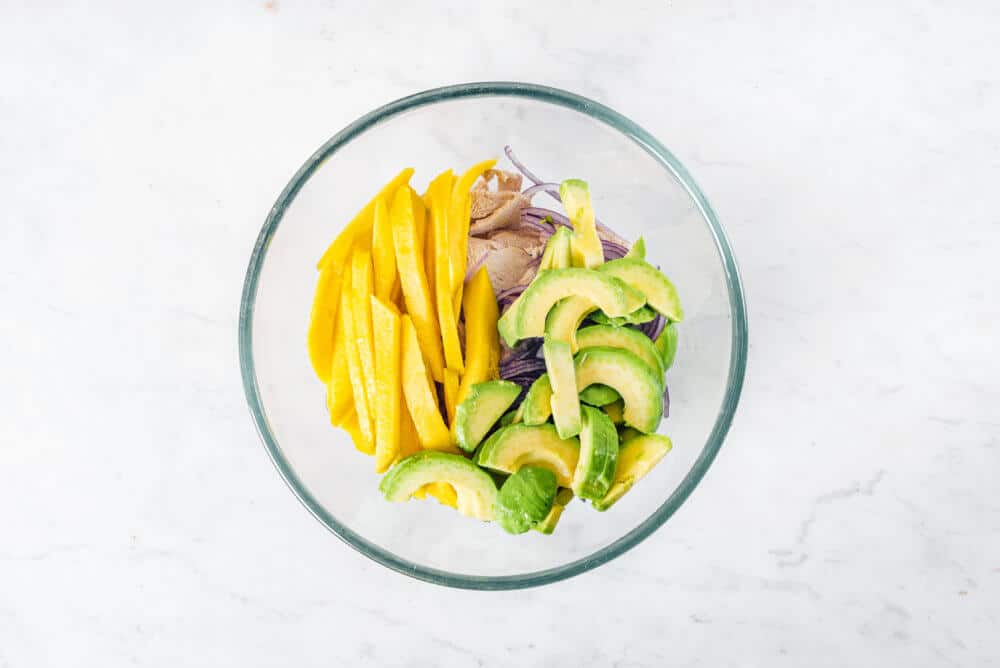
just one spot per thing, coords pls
(506, 181)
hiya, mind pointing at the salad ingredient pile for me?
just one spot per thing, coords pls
(497, 356)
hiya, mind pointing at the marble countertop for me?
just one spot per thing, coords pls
(853, 156)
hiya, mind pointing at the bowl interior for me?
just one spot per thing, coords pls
(636, 190)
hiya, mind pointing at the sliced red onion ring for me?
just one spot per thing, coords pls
(519, 165)
(613, 251)
(522, 367)
(550, 188)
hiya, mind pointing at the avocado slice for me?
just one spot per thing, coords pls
(517, 445)
(629, 339)
(526, 316)
(616, 411)
(510, 417)
(636, 317)
(474, 487)
(599, 395)
(666, 345)
(557, 254)
(565, 318)
(481, 408)
(638, 249)
(587, 249)
(659, 291)
(548, 525)
(636, 458)
(595, 470)
(525, 498)
(537, 405)
(565, 400)
(639, 387)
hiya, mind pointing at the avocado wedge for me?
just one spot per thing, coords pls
(639, 387)
(595, 468)
(517, 445)
(525, 499)
(636, 458)
(474, 487)
(480, 410)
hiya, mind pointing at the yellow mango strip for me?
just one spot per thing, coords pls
(336, 254)
(388, 392)
(409, 442)
(350, 425)
(420, 493)
(354, 369)
(482, 344)
(430, 242)
(440, 189)
(421, 399)
(451, 383)
(322, 321)
(339, 395)
(459, 211)
(383, 253)
(413, 278)
(443, 492)
(361, 278)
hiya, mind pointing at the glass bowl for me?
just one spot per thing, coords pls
(638, 188)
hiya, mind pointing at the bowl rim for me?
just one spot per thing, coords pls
(602, 114)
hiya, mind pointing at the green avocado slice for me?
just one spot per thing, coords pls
(480, 410)
(636, 458)
(565, 399)
(639, 387)
(659, 291)
(474, 487)
(666, 345)
(557, 254)
(537, 405)
(587, 249)
(627, 338)
(565, 318)
(517, 445)
(526, 316)
(595, 469)
(525, 498)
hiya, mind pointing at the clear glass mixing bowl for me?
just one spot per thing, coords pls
(638, 188)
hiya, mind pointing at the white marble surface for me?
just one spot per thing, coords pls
(852, 153)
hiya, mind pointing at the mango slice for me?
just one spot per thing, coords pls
(361, 289)
(482, 342)
(420, 396)
(322, 320)
(388, 392)
(439, 191)
(406, 236)
(364, 436)
(451, 383)
(383, 252)
(339, 395)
